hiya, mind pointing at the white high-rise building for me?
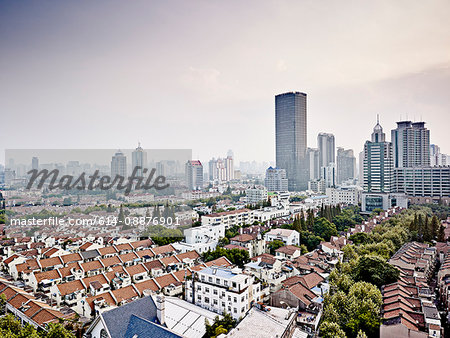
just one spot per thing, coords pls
(329, 175)
(346, 165)
(139, 159)
(411, 144)
(35, 163)
(312, 157)
(119, 165)
(276, 179)
(378, 163)
(326, 146)
(194, 175)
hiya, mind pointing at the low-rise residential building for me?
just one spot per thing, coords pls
(229, 218)
(221, 289)
(288, 237)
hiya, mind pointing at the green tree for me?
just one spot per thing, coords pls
(374, 269)
(219, 326)
(331, 330)
(324, 228)
(274, 245)
(56, 330)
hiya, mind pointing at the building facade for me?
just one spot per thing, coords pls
(291, 137)
(346, 165)
(411, 144)
(276, 179)
(221, 289)
(194, 175)
(119, 165)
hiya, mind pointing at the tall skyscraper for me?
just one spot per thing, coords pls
(326, 145)
(276, 179)
(194, 175)
(411, 144)
(119, 165)
(378, 163)
(290, 134)
(35, 163)
(139, 159)
(312, 158)
(346, 165)
(229, 167)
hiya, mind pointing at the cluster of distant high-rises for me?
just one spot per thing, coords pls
(307, 166)
(401, 168)
(406, 166)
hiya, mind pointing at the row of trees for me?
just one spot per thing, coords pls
(235, 256)
(11, 327)
(365, 264)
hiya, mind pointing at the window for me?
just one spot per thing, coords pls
(215, 291)
(217, 280)
(235, 299)
(235, 310)
(210, 279)
(103, 333)
(226, 283)
(206, 300)
(234, 284)
(215, 301)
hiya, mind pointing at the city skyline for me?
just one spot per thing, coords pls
(93, 73)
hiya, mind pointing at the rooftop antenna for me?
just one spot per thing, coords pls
(378, 118)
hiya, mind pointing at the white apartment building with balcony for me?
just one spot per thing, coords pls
(350, 195)
(229, 218)
(288, 237)
(221, 289)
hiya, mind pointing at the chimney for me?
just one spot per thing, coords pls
(160, 309)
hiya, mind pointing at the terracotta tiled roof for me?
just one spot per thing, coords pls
(70, 287)
(302, 293)
(125, 294)
(70, 258)
(145, 252)
(108, 250)
(149, 284)
(50, 262)
(180, 274)
(288, 249)
(166, 280)
(146, 243)
(266, 258)
(10, 259)
(19, 299)
(165, 249)
(28, 266)
(111, 261)
(242, 238)
(106, 297)
(221, 261)
(97, 278)
(129, 257)
(86, 246)
(93, 265)
(67, 270)
(123, 247)
(192, 255)
(45, 316)
(155, 264)
(169, 260)
(50, 252)
(136, 269)
(198, 267)
(51, 274)
(112, 274)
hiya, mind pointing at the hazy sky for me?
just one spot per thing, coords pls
(203, 74)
